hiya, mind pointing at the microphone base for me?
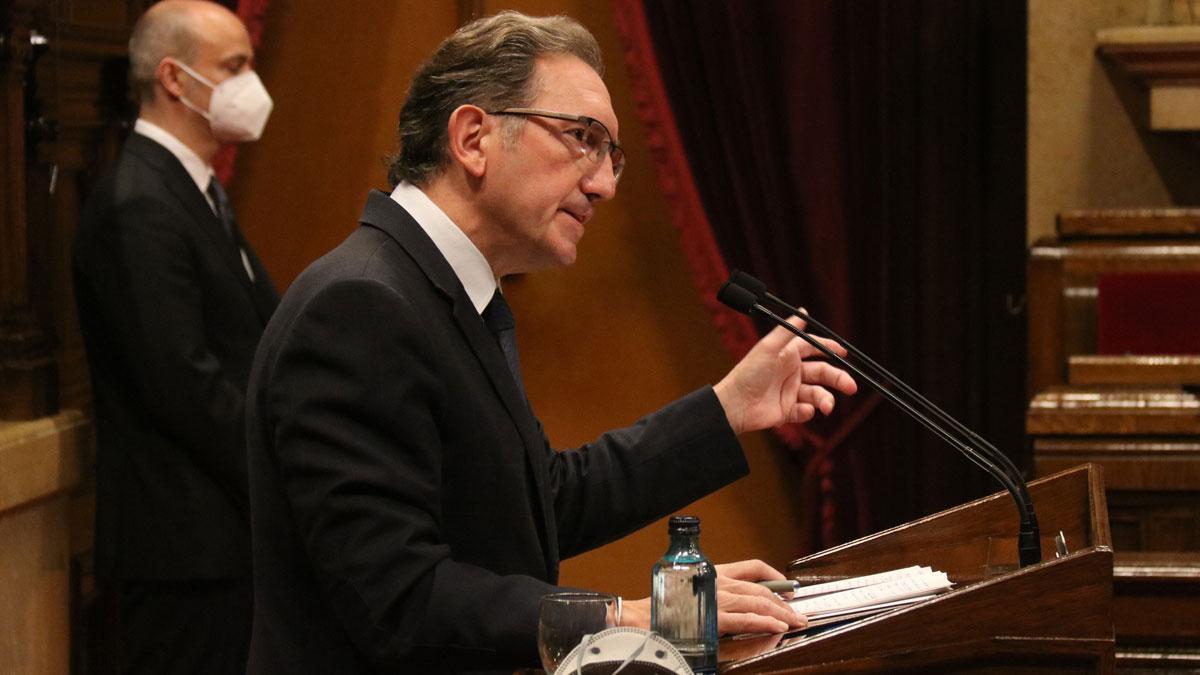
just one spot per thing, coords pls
(1029, 547)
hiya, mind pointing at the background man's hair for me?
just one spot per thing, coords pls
(155, 36)
(490, 63)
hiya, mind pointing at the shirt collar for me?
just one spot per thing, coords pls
(468, 263)
(200, 171)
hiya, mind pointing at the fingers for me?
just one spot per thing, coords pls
(808, 350)
(824, 374)
(752, 612)
(747, 570)
(779, 336)
(790, 391)
(729, 623)
(806, 390)
(810, 393)
(747, 607)
(800, 413)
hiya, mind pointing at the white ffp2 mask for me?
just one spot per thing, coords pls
(238, 108)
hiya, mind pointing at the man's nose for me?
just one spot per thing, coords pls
(600, 184)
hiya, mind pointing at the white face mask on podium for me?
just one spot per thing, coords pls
(624, 650)
(238, 108)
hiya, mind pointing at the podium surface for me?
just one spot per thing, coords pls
(1055, 616)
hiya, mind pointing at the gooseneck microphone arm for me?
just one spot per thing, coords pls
(759, 289)
(1029, 547)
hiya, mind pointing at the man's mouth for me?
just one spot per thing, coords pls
(580, 216)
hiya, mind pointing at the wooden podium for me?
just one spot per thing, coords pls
(1056, 616)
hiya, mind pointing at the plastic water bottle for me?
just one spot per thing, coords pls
(683, 605)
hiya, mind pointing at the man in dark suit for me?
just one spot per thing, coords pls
(407, 511)
(172, 303)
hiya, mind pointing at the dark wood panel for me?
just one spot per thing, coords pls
(1144, 463)
(1156, 598)
(1157, 521)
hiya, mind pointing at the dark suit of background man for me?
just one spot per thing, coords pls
(408, 513)
(172, 302)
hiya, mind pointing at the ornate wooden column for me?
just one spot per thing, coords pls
(64, 107)
(27, 372)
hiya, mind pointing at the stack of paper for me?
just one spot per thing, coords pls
(863, 596)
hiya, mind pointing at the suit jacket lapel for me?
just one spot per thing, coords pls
(180, 183)
(383, 213)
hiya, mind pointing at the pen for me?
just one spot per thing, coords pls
(781, 586)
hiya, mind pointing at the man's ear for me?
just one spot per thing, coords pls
(167, 75)
(472, 134)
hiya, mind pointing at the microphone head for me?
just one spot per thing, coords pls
(748, 282)
(737, 297)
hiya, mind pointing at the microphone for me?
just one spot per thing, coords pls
(746, 301)
(759, 289)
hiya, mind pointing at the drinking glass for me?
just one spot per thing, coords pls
(565, 618)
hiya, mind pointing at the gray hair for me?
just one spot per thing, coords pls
(489, 62)
(155, 36)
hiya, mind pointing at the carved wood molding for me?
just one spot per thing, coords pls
(1153, 54)
(1157, 565)
(1128, 222)
(1113, 410)
(1165, 62)
(1089, 369)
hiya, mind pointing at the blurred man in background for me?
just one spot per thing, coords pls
(172, 302)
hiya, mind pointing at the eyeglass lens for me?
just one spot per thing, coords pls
(599, 143)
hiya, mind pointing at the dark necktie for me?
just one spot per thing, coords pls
(225, 214)
(224, 211)
(499, 319)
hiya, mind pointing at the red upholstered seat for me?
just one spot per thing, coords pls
(1149, 313)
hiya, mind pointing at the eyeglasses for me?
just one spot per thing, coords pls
(593, 139)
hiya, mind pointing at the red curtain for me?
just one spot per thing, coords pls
(863, 159)
(756, 173)
(253, 13)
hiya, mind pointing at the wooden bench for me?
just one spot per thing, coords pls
(1137, 415)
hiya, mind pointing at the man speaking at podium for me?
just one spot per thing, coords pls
(407, 510)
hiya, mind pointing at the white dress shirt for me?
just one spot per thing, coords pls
(200, 171)
(469, 265)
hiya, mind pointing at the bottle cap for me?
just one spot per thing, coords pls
(683, 525)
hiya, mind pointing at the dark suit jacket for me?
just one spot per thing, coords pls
(170, 320)
(408, 512)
